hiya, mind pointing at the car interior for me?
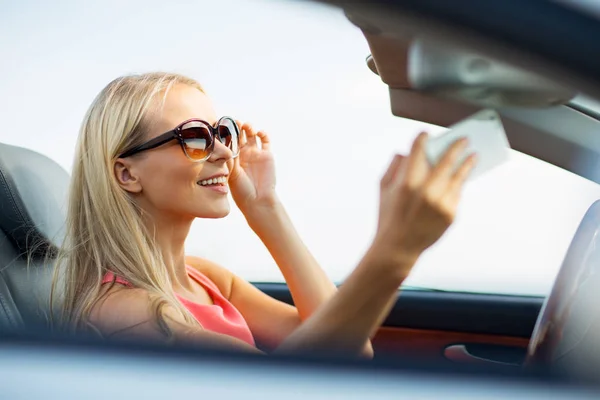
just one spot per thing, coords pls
(449, 327)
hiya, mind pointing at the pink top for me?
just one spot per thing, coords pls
(221, 316)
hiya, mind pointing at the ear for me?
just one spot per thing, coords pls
(126, 176)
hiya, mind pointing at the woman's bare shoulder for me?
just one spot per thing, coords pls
(219, 275)
(122, 309)
(126, 313)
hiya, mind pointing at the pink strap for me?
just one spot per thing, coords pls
(193, 272)
(203, 280)
(110, 278)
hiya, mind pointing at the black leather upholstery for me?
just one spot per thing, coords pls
(33, 191)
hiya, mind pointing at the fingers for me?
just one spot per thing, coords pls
(248, 136)
(449, 158)
(392, 170)
(265, 142)
(443, 180)
(417, 159)
(445, 166)
(458, 179)
(242, 139)
(417, 168)
(463, 171)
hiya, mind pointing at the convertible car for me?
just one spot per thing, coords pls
(536, 63)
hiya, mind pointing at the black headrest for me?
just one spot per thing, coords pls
(33, 193)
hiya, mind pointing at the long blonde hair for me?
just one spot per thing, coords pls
(104, 227)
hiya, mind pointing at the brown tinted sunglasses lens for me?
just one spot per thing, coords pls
(197, 141)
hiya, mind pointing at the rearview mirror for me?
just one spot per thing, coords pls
(439, 69)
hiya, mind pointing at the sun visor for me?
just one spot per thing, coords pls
(406, 59)
(389, 59)
(419, 106)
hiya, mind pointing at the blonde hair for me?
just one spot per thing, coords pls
(104, 227)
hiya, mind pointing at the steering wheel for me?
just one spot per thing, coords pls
(567, 333)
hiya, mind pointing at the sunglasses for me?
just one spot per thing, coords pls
(197, 138)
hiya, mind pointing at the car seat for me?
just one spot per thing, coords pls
(33, 193)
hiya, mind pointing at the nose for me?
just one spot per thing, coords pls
(220, 152)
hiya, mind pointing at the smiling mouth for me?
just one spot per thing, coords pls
(220, 181)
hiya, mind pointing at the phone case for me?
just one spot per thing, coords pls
(487, 138)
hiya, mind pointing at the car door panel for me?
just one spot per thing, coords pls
(451, 326)
(462, 347)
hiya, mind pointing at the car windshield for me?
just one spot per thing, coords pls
(299, 73)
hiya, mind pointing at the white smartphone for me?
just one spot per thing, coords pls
(486, 136)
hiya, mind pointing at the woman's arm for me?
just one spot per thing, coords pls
(270, 320)
(417, 205)
(354, 313)
(363, 301)
(309, 286)
(253, 182)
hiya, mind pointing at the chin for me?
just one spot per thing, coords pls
(216, 212)
(216, 215)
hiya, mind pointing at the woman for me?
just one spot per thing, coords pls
(152, 156)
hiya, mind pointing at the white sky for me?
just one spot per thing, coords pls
(296, 70)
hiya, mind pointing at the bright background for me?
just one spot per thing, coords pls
(296, 70)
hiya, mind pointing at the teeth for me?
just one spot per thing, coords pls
(220, 179)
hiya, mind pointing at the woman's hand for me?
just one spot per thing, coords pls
(252, 180)
(418, 202)
(417, 205)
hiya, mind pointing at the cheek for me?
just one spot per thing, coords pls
(169, 181)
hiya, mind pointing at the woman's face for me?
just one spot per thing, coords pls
(165, 182)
